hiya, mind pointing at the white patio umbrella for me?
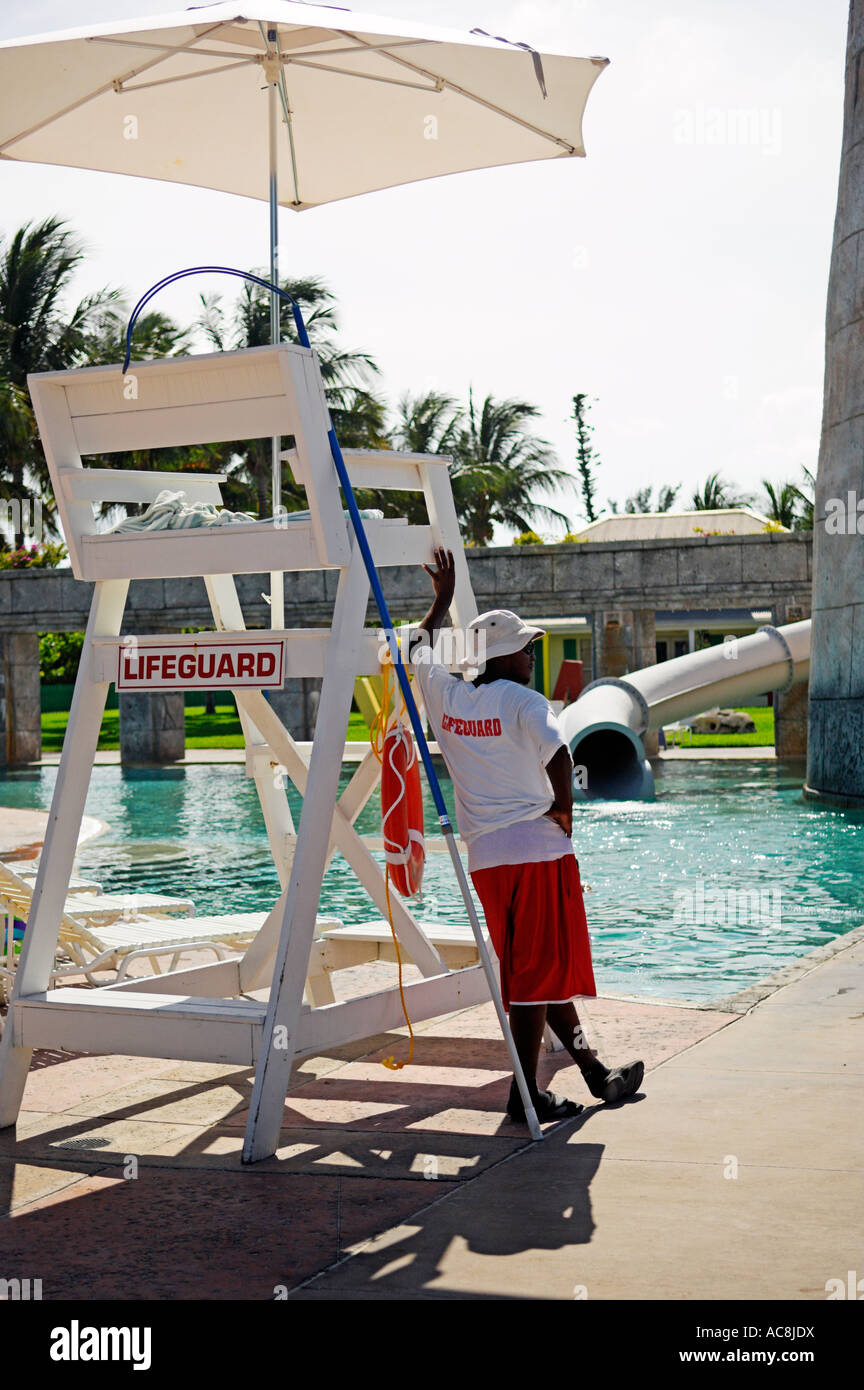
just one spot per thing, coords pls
(350, 103)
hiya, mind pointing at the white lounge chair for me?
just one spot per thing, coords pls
(30, 868)
(106, 932)
(110, 947)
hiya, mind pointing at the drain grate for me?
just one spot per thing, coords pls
(93, 1142)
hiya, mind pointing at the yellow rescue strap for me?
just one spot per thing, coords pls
(378, 735)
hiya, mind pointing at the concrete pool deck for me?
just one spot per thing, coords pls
(736, 1174)
(355, 751)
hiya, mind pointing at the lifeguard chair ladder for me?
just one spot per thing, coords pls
(199, 1013)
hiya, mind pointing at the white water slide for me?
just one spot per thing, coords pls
(605, 726)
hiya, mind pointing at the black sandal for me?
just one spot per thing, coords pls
(547, 1106)
(610, 1086)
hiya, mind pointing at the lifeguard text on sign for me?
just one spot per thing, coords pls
(174, 667)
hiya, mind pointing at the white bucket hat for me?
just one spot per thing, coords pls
(496, 633)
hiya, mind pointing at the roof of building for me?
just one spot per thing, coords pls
(649, 526)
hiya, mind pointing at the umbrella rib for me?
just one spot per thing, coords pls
(463, 91)
(111, 84)
(167, 48)
(367, 76)
(185, 76)
(371, 47)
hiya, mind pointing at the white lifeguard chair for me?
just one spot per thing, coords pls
(200, 1013)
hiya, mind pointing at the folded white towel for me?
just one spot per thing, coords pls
(173, 512)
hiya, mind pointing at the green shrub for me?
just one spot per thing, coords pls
(59, 654)
(528, 538)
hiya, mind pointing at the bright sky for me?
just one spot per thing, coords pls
(678, 274)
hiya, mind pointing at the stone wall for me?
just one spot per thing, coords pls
(618, 587)
(544, 581)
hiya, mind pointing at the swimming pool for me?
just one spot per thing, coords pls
(723, 879)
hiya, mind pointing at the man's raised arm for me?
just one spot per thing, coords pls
(444, 579)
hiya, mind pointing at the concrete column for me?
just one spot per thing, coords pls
(645, 654)
(835, 755)
(624, 640)
(152, 727)
(791, 708)
(645, 638)
(613, 642)
(19, 698)
(297, 705)
(790, 722)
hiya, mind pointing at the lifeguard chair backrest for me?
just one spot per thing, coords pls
(253, 393)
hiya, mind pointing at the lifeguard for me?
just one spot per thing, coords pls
(513, 785)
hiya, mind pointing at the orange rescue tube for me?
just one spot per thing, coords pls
(402, 811)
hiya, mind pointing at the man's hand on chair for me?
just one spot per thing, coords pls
(443, 577)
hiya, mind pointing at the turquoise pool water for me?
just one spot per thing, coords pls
(723, 879)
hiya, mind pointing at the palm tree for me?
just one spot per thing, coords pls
(359, 417)
(17, 428)
(500, 468)
(154, 335)
(641, 500)
(38, 333)
(782, 502)
(666, 496)
(358, 413)
(17, 432)
(715, 494)
(804, 520)
(428, 424)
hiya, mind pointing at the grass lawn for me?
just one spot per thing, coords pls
(763, 718)
(218, 730)
(222, 730)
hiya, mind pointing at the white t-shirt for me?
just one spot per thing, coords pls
(527, 842)
(496, 740)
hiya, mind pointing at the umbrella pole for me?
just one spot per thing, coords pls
(277, 579)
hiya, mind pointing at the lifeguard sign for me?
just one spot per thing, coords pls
(194, 665)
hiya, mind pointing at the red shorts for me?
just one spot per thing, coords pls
(536, 919)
